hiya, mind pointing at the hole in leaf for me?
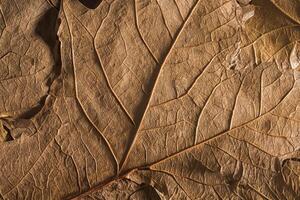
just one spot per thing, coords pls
(91, 4)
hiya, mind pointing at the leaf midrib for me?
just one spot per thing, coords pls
(124, 160)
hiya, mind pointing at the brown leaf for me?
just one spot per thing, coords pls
(140, 99)
(27, 55)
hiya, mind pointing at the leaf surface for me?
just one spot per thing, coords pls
(141, 99)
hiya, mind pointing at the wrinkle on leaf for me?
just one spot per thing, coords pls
(26, 60)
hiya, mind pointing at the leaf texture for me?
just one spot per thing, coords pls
(143, 99)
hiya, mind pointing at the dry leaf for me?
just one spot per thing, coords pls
(141, 99)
